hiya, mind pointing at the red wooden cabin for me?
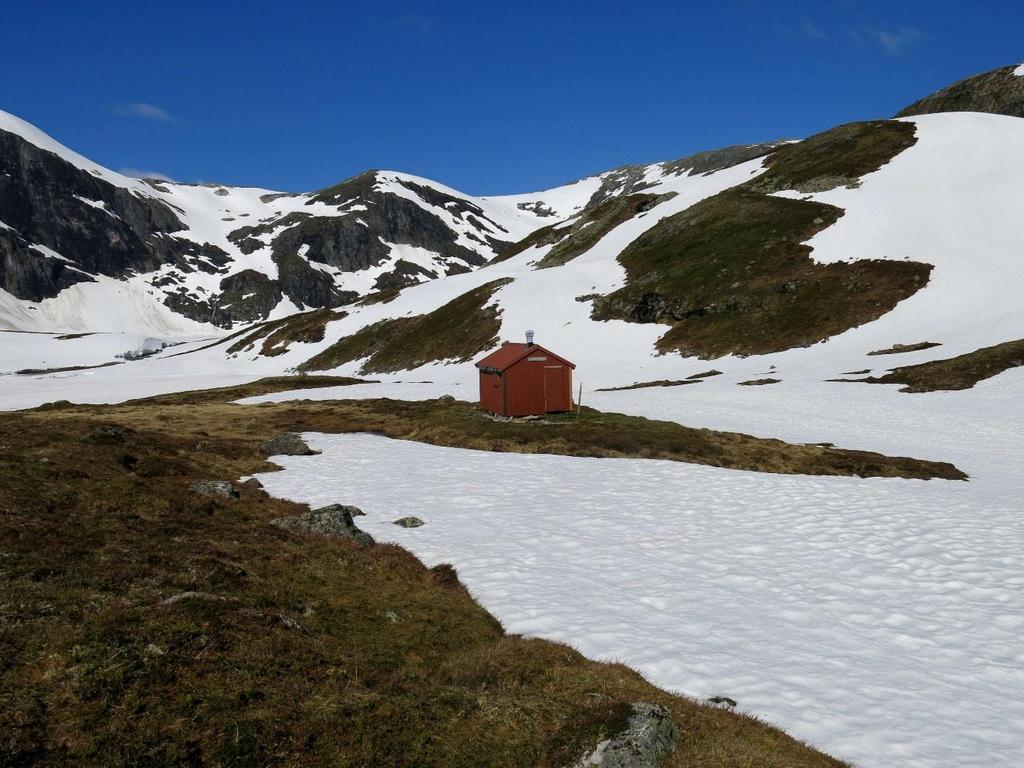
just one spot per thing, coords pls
(525, 380)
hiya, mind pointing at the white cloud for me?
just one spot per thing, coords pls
(144, 110)
(811, 31)
(135, 173)
(892, 41)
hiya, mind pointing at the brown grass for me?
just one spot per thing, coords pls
(460, 329)
(278, 335)
(731, 274)
(296, 650)
(960, 372)
(657, 383)
(462, 425)
(898, 349)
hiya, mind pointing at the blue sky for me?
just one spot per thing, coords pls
(487, 97)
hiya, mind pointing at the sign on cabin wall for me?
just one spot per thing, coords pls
(537, 359)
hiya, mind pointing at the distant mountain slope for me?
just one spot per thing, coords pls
(80, 243)
(1000, 92)
(858, 239)
(85, 248)
(725, 271)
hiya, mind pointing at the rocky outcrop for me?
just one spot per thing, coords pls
(1000, 92)
(333, 520)
(63, 225)
(648, 738)
(287, 444)
(218, 489)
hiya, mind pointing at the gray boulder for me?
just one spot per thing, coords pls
(223, 489)
(722, 701)
(409, 522)
(107, 433)
(649, 736)
(287, 444)
(332, 520)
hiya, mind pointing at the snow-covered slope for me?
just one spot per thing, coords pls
(84, 248)
(876, 618)
(953, 200)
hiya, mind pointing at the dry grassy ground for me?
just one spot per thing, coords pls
(960, 372)
(295, 649)
(460, 329)
(732, 274)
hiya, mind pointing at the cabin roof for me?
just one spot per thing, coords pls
(510, 353)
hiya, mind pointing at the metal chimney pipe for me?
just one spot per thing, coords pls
(529, 338)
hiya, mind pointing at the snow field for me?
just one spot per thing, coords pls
(877, 619)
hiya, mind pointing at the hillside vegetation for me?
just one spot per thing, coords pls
(732, 275)
(594, 224)
(960, 372)
(147, 624)
(278, 335)
(458, 330)
(999, 91)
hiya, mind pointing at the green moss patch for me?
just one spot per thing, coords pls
(552, 233)
(647, 384)
(705, 374)
(379, 297)
(460, 329)
(278, 335)
(581, 233)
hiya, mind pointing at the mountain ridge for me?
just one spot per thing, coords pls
(83, 248)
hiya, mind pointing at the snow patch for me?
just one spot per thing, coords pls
(99, 204)
(36, 137)
(49, 253)
(775, 590)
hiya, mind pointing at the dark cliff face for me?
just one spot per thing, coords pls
(61, 225)
(43, 202)
(363, 239)
(999, 92)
